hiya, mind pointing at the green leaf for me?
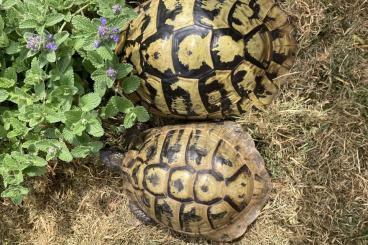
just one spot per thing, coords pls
(65, 154)
(3, 95)
(28, 24)
(118, 104)
(99, 76)
(79, 127)
(131, 84)
(54, 18)
(13, 48)
(68, 135)
(90, 101)
(105, 53)
(100, 88)
(2, 132)
(96, 59)
(141, 113)
(61, 37)
(124, 70)
(35, 171)
(4, 40)
(1, 24)
(81, 151)
(83, 24)
(73, 116)
(6, 83)
(51, 56)
(95, 129)
(37, 161)
(10, 73)
(130, 119)
(15, 193)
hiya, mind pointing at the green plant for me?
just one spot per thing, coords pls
(56, 65)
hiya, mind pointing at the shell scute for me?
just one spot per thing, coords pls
(205, 186)
(186, 53)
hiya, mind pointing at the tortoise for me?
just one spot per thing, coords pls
(203, 179)
(208, 59)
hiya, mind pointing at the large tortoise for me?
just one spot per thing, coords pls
(208, 58)
(204, 179)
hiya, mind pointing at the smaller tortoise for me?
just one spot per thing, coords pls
(205, 179)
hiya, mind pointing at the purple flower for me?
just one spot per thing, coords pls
(51, 46)
(111, 73)
(116, 9)
(97, 43)
(115, 38)
(103, 21)
(106, 33)
(103, 32)
(34, 43)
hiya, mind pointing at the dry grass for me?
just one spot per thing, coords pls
(314, 139)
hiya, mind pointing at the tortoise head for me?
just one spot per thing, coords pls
(114, 160)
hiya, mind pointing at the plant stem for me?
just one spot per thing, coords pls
(74, 14)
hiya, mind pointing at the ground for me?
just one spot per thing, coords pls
(314, 139)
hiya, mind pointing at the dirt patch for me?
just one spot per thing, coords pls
(314, 139)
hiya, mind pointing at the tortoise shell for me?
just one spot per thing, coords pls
(208, 58)
(203, 179)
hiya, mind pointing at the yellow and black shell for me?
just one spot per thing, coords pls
(208, 58)
(203, 179)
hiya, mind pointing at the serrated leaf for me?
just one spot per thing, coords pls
(68, 135)
(28, 24)
(55, 116)
(7, 4)
(141, 113)
(99, 76)
(35, 171)
(13, 48)
(10, 73)
(124, 70)
(96, 59)
(37, 161)
(4, 40)
(95, 129)
(78, 128)
(90, 101)
(2, 132)
(100, 88)
(3, 95)
(105, 53)
(6, 83)
(130, 119)
(81, 151)
(83, 24)
(73, 116)
(54, 18)
(15, 193)
(121, 104)
(61, 37)
(65, 155)
(1, 24)
(111, 109)
(51, 56)
(131, 84)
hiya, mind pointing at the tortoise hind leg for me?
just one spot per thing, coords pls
(140, 215)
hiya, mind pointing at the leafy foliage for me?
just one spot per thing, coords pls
(57, 64)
